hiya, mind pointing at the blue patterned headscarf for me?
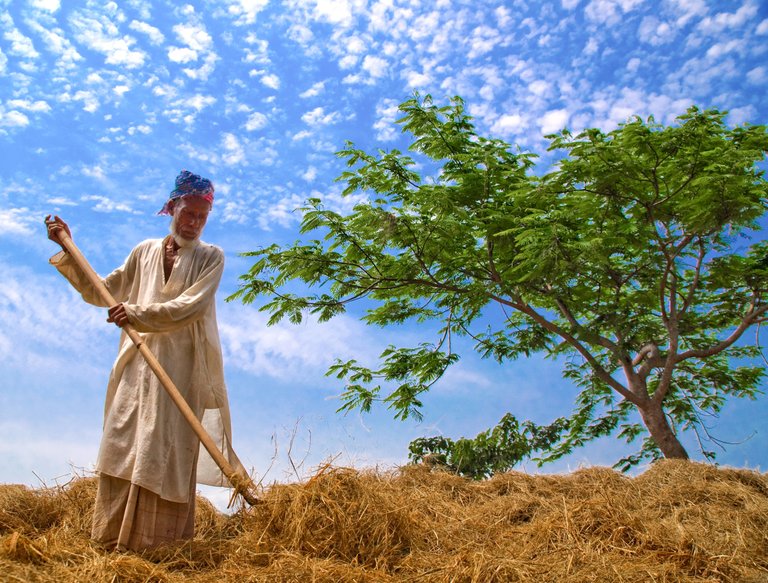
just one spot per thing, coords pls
(189, 184)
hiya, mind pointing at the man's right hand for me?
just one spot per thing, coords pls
(55, 226)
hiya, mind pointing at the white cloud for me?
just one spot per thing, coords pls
(34, 106)
(155, 36)
(570, 4)
(688, 10)
(246, 10)
(60, 201)
(301, 34)
(102, 36)
(272, 81)
(416, 80)
(379, 15)
(181, 54)
(509, 124)
(232, 211)
(729, 20)
(553, 121)
(591, 47)
(348, 61)
(13, 119)
(233, 152)
(46, 5)
(302, 135)
(762, 28)
(257, 50)
(18, 221)
(283, 351)
(318, 117)
(482, 41)
(198, 102)
(375, 66)
(758, 75)
(655, 32)
(386, 111)
(194, 36)
(313, 91)
(353, 44)
(89, 98)
(57, 43)
(140, 129)
(334, 11)
(503, 16)
(107, 205)
(609, 11)
(719, 49)
(255, 121)
(96, 172)
(186, 108)
(208, 66)
(283, 212)
(50, 320)
(540, 88)
(422, 27)
(309, 174)
(742, 115)
(337, 202)
(633, 65)
(21, 46)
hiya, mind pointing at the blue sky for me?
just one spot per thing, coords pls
(103, 103)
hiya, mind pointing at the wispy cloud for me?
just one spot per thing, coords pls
(103, 204)
(17, 221)
(100, 34)
(319, 117)
(256, 121)
(154, 34)
(287, 351)
(246, 11)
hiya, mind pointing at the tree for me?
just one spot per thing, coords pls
(630, 261)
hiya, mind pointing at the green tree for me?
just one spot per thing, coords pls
(630, 261)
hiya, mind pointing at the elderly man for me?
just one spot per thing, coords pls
(149, 458)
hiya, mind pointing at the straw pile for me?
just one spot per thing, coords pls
(678, 521)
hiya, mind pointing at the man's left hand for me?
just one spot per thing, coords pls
(118, 316)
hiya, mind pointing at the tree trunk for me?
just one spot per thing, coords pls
(656, 422)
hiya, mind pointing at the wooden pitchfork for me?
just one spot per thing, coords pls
(242, 483)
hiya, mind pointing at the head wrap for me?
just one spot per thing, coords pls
(189, 184)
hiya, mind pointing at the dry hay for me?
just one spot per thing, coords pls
(676, 522)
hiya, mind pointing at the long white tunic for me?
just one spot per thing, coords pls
(146, 439)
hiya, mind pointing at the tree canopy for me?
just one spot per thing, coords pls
(635, 259)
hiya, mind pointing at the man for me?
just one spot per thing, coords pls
(148, 461)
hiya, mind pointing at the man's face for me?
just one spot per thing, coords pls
(189, 216)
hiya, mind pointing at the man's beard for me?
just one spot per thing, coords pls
(180, 241)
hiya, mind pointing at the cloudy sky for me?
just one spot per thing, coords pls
(103, 103)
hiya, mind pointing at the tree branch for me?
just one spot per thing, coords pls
(696, 278)
(602, 374)
(751, 318)
(591, 336)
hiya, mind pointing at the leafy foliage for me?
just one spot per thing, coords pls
(628, 259)
(493, 451)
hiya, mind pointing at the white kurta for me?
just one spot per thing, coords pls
(146, 440)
